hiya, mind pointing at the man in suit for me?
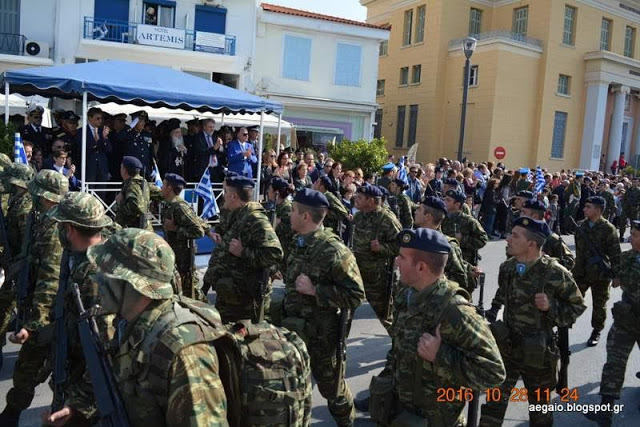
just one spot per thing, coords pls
(33, 131)
(98, 146)
(205, 150)
(240, 154)
(254, 133)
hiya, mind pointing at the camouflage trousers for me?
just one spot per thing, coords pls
(620, 342)
(7, 304)
(536, 381)
(599, 297)
(374, 278)
(32, 368)
(627, 215)
(187, 277)
(234, 304)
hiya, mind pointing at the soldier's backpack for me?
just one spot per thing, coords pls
(265, 370)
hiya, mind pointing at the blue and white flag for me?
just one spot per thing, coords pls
(18, 150)
(402, 171)
(205, 191)
(155, 174)
(540, 182)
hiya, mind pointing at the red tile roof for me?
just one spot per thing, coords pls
(297, 12)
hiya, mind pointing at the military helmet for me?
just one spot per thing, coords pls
(50, 184)
(139, 257)
(5, 161)
(18, 174)
(82, 210)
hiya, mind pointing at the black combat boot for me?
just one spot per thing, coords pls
(603, 418)
(594, 338)
(10, 417)
(362, 405)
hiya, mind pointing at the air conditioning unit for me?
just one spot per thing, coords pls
(36, 48)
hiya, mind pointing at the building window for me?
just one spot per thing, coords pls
(568, 36)
(520, 21)
(605, 34)
(377, 127)
(629, 41)
(380, 88)
(348, 60)
(420, 24)
(297, 58)
(475, 22)
(400, 126)
(473, 75)
(159, 13)
(564, 85)
(408, 24)
(413, 123)
(384, 46)
(559, 128)
(416, 71)
(404, 76)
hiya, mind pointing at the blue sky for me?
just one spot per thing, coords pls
(350, 9)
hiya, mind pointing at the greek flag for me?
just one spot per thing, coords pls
(205, 191)
(18, 150)
(540, 183)
(402, 171)
(155, 174)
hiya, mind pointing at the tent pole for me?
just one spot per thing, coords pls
(279, 127)
(83, 170)
(6, 102)
(222, 120)
(256, 194)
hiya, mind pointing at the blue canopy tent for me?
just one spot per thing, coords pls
(125, 82)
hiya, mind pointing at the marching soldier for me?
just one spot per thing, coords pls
(322, 277)
(554, 246)
(538, 294)
(278, 192)
(43, 262)
(572, 199)
(630, 206)
(402, 206)
(465, 228)
(375, 246)
(248, 253)
(337, 211)
(132, 203)
(596, 241)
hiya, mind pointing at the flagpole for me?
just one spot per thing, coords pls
(279, 130)
(6, 100)
(83, 159)
(256, 193)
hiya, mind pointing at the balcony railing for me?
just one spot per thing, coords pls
(12, 44)
(500, 35)
(126, 32)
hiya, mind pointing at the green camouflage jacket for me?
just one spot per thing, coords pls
(283, 229)
(468, 355)
(556, 248)
(628, 271)
(189, 225)
(473, 235)
(457, 269)
(379, 224)
(16, 221)
(605, 237)
(336, 214)
(631, 198)
(610, 209)
(135, 202)
(402, 207)
(331, 267)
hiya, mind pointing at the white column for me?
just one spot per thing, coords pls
(615, 130)
(593, 128)
(636, 145)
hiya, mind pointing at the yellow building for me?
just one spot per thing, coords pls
(556, 83)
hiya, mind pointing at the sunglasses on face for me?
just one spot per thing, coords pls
(244, 134)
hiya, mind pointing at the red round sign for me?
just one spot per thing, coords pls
(499, 153)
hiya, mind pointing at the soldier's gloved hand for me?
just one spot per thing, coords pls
(492, 314)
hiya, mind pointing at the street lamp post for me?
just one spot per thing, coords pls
(468, 46)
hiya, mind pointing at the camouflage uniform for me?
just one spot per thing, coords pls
(336, 214)
(523, 323)
(284, 232)
(189, 227)
(610, 209)
(457, 269)
(134, 204)
(556, 248)
(43, 260)
(473, 235)
(587, 273)
(332, 268)
(630, 207)
(236, 279)
(382, 225)
(402, 207)
(468, 355)
(572, 200)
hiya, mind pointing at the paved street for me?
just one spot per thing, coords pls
(369, 343)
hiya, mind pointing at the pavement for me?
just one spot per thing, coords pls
(368, 345)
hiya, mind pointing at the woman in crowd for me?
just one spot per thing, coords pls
(268, 166)
(358, 177)
(302, 179)
(283, 170)
(36, 159)
(334, 175)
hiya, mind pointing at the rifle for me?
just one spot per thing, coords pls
(389, 289)
(258, 300)
(23, 281)
(192, 267)
(472, 414)
(565, 355)
(143, 218)
(60, 348)
(597, 258)
(103, 382)
(344, 325)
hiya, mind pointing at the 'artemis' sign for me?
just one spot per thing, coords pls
(152, 35)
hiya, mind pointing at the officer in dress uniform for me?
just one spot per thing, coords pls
(139, 143)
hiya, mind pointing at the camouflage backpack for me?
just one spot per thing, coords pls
(265, 370)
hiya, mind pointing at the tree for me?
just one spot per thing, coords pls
(7, 133)
(369, 156)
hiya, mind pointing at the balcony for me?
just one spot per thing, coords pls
(501, 35)
(12, 44)
(134, 33)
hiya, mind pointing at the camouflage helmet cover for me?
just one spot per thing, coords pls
(82, 210)
(5, 161)
(139, 257)
(17, 174)
(50, 184)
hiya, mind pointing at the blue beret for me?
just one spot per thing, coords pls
(389, 166)
(239, 181)
(458, 196)
(278, 183)
(400, 183)
(175, 179)
(579, 174)
(313, 198)
(597, 200)
(539, 227)
(635, 224)
(370, 190)
(424, 239)
(526, 194)
(384, 191)
(436, 203)
(524, 170)
(131, 162)
(326, 182)
(451, 181)
(535, 204)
